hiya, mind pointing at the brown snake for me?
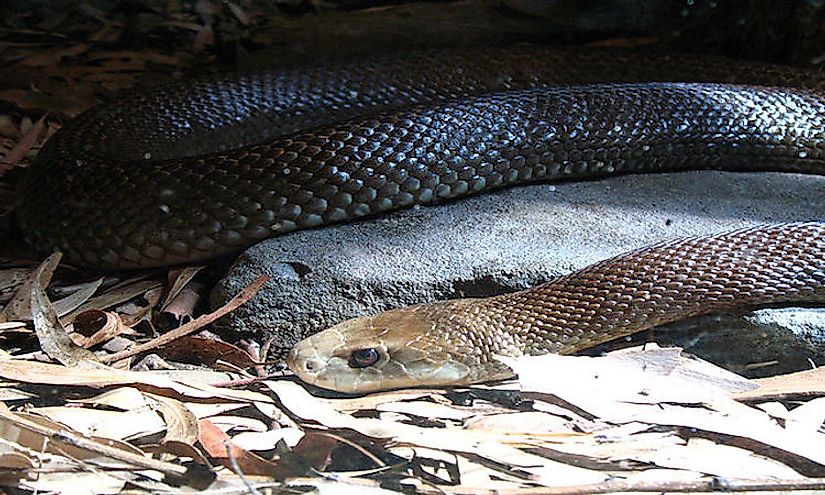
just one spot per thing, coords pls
(202, 168)
(454, 342)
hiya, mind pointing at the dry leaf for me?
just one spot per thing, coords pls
(52, 374)
(181, 424)
(265, 440)
(10, 281)
(19, 308)
(220, 447)
(643, 376)
(52, 58)
(179, 279)
(206, 351)
(115, 295)
(246, 294)
(54, 340)
(493, 447)
(96, 326)
(803, 383)
(22, 148)
(119, 425)
(71, 302)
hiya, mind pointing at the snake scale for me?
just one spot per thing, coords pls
(206, 167)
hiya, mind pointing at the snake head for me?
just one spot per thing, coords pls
(414, 346)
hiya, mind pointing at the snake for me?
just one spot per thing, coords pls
(457, 342)
(205, 167)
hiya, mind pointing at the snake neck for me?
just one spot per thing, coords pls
(624, 295)
(663, 283)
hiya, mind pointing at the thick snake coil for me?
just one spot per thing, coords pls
(203, 168)
(454, 342)
(145, 182)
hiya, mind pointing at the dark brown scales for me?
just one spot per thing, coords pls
(146, 181)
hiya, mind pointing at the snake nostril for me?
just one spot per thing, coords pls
(310, 365)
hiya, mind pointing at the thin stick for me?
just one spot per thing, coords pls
(243, 296)
(233, 462)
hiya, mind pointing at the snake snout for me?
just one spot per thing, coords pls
(304, 361)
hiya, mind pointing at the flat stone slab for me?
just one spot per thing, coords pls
(494, 243)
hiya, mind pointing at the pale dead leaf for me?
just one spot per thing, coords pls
(428, 410)
(94, 327)
(52, 374)
(372, 401)
(493, 446)
(808, 418)
(476, 474)
(639, 390)
(19, 308)
(22, 148)
(239, 14)
(71, 302)
(220, 447)
(53, 338)
(179, 279)
(196, 375)
(121, 425)
(122, 398)
(115, 295)
(238, 423)
(707, 457)
(264, 440)
(11, 279)
(765, 436)
(530, 422)
(636, 376)
(11, 325)
(206, 409)
(82, 483)
(12, 460)
(802, 383)
(178, 419)
(42, 434)
(8, 393)
(774, 409)
(181, 424)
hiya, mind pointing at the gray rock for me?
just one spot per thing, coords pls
(494, 243)
(806, 324)
(762, 343)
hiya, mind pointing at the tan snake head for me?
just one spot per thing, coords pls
(424, 345)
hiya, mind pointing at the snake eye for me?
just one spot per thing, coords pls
(363, 358)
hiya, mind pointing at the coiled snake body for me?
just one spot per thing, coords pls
(198, 169)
